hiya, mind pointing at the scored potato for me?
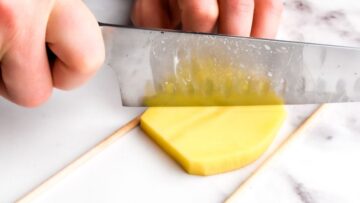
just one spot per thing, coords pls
(212, 140)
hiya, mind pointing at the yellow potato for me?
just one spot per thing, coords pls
(212, 140)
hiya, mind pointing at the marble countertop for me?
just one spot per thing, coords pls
(319, 165)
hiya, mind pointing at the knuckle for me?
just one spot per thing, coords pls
(203, 11)
(241, 5)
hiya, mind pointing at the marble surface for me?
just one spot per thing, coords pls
(331, 22)
(317, 167)
(135, 169)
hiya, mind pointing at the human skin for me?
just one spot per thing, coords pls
(256, 18)
(69, 30)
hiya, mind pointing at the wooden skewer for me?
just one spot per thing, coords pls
(281, 147)
(123, 130)
(79, 161)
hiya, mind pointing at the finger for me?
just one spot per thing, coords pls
(267, 17)
(236, 17)
(74, 36)
(25, 73)
(26, 77)
(151, 14)
(199, 15)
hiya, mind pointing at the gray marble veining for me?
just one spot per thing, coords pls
(320, 165)
(330, 22)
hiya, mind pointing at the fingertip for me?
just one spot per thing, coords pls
(68, 78)
(87, 61)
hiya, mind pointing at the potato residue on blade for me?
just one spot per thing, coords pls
(204, 81)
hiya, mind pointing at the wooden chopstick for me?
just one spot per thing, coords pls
(79, 161)
(280, 148)
(126, 128)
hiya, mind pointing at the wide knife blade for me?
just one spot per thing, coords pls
(298, 73)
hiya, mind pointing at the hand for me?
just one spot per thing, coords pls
(70, 32)
(256, 18)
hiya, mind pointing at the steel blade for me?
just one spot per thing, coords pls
(299, 73)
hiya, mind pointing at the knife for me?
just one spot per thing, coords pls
(172, 68)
